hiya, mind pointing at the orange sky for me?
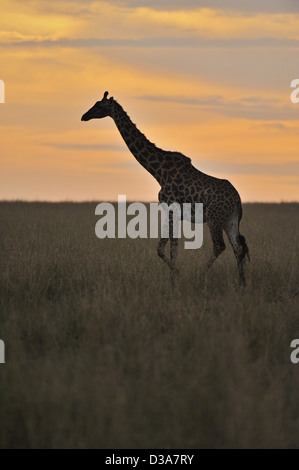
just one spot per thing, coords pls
(210, 79)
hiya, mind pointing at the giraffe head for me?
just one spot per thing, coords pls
(100, 110)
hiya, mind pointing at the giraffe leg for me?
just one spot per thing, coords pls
(231, 229)
(218, 243)
(173, 249)
(161, 250)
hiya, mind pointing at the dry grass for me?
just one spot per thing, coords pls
(101, 352)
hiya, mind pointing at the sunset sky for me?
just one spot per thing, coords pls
(210, 79)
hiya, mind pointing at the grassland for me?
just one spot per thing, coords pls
(102, 352)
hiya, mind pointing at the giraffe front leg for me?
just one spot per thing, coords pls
(161, 250)
(174, 245)
(173, 253)
(242, 280)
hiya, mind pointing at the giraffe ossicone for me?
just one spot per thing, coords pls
(182, 183)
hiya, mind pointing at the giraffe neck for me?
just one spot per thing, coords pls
(145, 152)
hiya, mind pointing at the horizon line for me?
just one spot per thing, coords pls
(128, 201)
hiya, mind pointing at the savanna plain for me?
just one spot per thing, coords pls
(102, 350)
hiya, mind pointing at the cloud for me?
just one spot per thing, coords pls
(20, 20)
(132, 24)
(202, 22)
(278, 169)
(213, 100)
(277, 126)
(290, 168)
(255, 107)
(72, 146)
(191, 42)
(115, 166)
(248, 6)
(245, 6)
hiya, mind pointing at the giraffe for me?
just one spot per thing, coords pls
(182, 183)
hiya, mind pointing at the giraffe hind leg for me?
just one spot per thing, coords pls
(218, 244)
(238, 244)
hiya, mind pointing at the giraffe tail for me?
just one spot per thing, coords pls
(244, 246)
(241, 239)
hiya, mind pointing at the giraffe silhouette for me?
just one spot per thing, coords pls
(182, 183)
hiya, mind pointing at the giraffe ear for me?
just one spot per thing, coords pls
(111, 98)
(105, 95)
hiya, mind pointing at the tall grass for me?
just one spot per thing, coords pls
(103, 352)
